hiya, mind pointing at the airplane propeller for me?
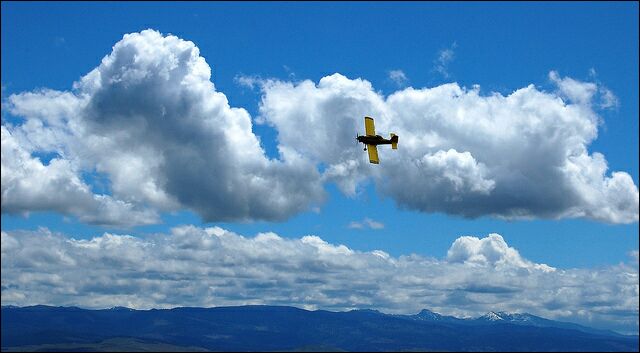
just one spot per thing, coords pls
(365, 145)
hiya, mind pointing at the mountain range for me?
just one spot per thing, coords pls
(282, 328)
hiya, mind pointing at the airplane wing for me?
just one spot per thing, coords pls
(373, 154)
(369, 128)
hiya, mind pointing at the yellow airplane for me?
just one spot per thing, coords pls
(371, 140)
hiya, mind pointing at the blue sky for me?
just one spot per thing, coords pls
(511, 47)
(502, 47)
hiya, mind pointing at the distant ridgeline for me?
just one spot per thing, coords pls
(278, 328)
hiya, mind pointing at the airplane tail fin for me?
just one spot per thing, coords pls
(394, 141)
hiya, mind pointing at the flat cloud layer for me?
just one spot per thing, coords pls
(193, 266)
(150, 122)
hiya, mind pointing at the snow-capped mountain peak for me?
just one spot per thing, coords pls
(515, 317)
(492, 316)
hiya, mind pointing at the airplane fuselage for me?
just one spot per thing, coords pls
(374, 140)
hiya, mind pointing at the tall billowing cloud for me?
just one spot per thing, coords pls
(214, 267)
(523, 155)
(150, 120)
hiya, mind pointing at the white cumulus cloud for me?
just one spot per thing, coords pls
(585, 92)
(524, 155)
(29, 185)
(574, 90)
(149, 118)
(492, 250)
